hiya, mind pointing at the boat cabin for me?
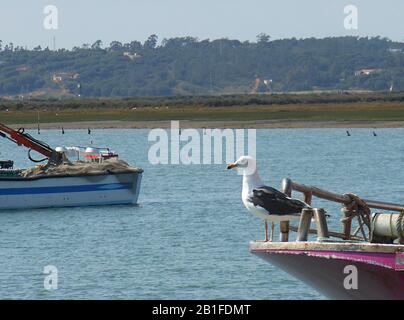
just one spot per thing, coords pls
(88, 154)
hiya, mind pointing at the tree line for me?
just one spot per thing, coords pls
(189, 66)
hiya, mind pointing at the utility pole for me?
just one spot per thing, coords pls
(39, 129)
(79, 89)
(211, 82)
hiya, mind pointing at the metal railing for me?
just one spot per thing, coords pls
(309, 191)
(288, 186)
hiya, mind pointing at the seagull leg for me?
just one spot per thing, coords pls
(266, 231)
(272, 232)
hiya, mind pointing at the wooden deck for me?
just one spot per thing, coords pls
(327, 246)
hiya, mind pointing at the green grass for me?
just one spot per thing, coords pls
(388, 111)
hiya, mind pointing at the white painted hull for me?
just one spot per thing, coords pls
(73, 191)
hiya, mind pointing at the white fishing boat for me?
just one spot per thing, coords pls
(101, 178)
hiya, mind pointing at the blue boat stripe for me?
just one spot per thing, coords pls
(66, 189)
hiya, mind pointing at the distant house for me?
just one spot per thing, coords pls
(57, 79)
(23, 68)
(393, 50)
(62, 76)
(132, 56)
(367, 72)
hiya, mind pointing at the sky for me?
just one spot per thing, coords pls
(85, 21)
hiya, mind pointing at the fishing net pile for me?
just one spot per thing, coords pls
(78, 168)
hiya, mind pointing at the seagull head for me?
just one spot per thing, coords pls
(246, 163)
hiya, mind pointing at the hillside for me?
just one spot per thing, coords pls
(187, 66)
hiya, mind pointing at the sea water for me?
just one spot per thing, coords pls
(188, 237)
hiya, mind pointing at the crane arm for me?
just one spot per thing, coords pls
(24, 139)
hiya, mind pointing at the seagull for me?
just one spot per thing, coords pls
(263, 201)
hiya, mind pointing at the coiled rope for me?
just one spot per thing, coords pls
(359, 209)
(400, 227)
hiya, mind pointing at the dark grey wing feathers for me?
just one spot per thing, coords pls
(276, 202)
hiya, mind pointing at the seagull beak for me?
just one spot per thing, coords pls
(231, 166)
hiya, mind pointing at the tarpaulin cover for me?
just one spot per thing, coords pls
(80, 168)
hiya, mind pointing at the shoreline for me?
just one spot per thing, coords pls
(220, 124)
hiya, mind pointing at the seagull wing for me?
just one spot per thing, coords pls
(276, 202)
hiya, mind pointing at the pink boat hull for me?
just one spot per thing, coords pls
(380, 274)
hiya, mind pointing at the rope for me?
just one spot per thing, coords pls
(357, 208)
(34, 160)
(399, 226)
